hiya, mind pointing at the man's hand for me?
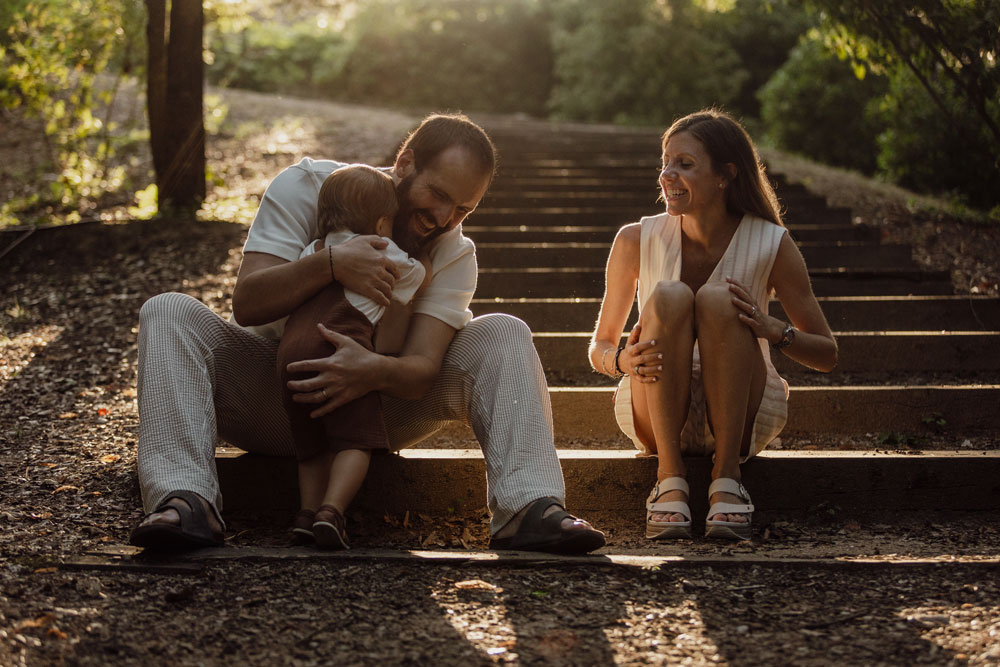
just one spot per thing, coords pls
(359, 265)
(345, 375)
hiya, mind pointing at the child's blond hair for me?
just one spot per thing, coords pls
(354, 198)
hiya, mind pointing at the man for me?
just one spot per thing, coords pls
(201, 377)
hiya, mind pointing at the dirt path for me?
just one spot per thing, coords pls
(67, 445)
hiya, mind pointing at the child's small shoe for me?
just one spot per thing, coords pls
(330, 528)
(302, 528)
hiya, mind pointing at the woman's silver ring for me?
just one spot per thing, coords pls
(324, 393)
(753, 312)
(638, 370)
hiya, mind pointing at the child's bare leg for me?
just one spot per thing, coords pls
(347, 472)
(314, 478)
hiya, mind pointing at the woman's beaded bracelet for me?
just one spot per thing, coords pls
(617, 355)
(329, 254)
(604, 362)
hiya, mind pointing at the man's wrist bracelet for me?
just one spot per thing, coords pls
(787, 336)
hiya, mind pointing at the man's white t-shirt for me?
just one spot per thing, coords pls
(286, 223)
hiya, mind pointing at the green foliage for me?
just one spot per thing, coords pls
(640, 61)
(53, 55)
(950, 49)
(923, 152)
(462, 54)
(816, 106)
(763, 33)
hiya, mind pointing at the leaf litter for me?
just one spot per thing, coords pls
(68, 428)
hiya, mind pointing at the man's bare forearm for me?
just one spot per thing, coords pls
(408, 378)
(269, 288)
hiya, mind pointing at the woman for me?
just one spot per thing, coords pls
(698, 376)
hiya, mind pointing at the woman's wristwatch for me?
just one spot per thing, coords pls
(787, 336)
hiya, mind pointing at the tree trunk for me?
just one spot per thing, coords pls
(156, 83)
(176, 80)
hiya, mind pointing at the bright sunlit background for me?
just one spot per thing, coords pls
(882, 88)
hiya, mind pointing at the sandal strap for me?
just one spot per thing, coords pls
(729, 485)
(666, 485)
(670, 507)
(193, 519)
(729, 508)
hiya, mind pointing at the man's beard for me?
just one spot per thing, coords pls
(402, 225)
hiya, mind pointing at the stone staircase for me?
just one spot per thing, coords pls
(915, 359)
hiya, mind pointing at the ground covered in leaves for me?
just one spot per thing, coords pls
(68, 428)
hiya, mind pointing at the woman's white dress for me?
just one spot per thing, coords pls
(748, 259)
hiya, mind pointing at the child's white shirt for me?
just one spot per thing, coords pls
(411, 275)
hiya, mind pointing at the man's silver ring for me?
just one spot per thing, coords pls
(324, 393)
(753, 312)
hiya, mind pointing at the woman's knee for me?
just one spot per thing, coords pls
(670, 301)
(714, 300)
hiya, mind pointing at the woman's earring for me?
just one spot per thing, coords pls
(722, 186)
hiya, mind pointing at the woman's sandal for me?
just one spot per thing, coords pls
(668, 530)
(302, 527)
(729, 530)
(330, 528)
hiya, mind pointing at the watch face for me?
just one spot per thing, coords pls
(788, 336)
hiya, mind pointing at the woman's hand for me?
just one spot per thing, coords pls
(762, 326)
(340, 378)
(639, 359)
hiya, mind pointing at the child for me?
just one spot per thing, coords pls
(334, 451)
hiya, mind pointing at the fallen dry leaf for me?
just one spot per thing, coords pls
(434, 539)
(109, 458)
(39, 622)
(66, 487)
(46, 570)
(68, 415)
(477, 585)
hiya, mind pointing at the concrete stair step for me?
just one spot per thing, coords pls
(860, 352)
(865, 313)
(619, 215)
(586, 412)
(647, 161)
(528, 233)
(608, 196)
(854, 255)
(580, 216)
(589, 282)
(452, 481)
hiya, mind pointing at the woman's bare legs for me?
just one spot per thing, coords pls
(734, 375)
(661, 407)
